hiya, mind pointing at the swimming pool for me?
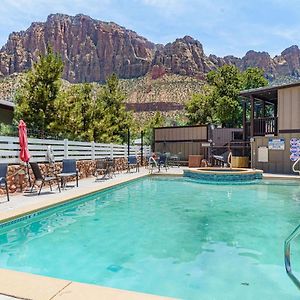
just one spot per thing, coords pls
(167, 236)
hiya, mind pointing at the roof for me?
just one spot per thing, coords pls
(269, 88)
(7, 104)
(267, 93)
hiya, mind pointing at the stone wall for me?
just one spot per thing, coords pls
(18, 180)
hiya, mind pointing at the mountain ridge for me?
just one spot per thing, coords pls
(93, 49)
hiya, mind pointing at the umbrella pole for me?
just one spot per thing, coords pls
(28, 174)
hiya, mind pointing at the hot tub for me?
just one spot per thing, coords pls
(224, 174)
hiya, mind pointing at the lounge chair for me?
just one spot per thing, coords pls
(68, 170)
(102, 168)
(3, 174)
(163, 162)
(38, 176)
(132, 162)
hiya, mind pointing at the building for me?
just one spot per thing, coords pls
(205, 140)
(271, 120)
(6, 112)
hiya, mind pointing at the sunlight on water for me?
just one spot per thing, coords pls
(167, 236)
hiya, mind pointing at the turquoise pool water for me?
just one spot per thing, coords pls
(167, 236)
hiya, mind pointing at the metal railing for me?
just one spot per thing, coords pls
(294, 166)
(287, 256)
(219, 154)
(262, 126)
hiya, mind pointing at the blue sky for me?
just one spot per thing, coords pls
(223, 26)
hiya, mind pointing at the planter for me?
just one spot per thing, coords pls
(239, 161)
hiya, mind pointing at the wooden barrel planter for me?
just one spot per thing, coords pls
(239, 161)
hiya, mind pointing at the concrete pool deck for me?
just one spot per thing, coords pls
(20, 285)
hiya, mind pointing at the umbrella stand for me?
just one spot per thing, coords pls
(29, 180)
(29, 189)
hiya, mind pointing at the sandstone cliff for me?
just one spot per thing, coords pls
(92, 50)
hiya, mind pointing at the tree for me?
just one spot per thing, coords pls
(113, 127)
(77, 113)
(90, 114)
(200, 108)
(220, 101)
(253, 78)
(226, 81)
(35, 99)
(157, 120)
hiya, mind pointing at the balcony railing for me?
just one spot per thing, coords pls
(262, 126)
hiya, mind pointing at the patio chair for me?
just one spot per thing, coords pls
(38, 176)
(163, 162)
(102, 168)
(3, 174)
(111, 166)
(68, 170)
(132, 162)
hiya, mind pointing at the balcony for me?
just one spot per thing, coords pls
(262, 126)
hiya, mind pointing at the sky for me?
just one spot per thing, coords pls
(224, 27)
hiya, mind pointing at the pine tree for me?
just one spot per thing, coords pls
(116, 120)
(35, 99)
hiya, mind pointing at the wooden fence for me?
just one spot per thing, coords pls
(10, 149)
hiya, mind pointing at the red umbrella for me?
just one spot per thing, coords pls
(23, 141)
(24, 152)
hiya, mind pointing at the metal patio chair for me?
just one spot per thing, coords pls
(163, 162)
(102, 168)
(38, 176)
(132, 162)
(3, 174)
(69, 169)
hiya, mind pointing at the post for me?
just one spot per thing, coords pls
(142, 147)
(128, 142)
(276, 118)
(264, 108)
(153, 140)
(252, 116)
(125, 151)
(65, 148)
(93, 155)
(111, 151)
(244, 120)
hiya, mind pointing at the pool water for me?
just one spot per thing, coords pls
(167, 236)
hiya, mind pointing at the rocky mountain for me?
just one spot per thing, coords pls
(92, 49)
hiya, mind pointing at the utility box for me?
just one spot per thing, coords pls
(195, 161)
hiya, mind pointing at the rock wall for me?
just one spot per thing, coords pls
(18, 180)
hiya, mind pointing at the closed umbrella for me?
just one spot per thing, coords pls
(23, 141)
(51, 159)
(50, 155)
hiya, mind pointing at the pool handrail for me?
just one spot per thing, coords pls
(287, 255)
(294, 165)
(229, 159)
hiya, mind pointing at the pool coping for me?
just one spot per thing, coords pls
(40, 287)
(224, 171)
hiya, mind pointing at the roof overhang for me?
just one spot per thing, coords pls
(268, 93)
(7, 105)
